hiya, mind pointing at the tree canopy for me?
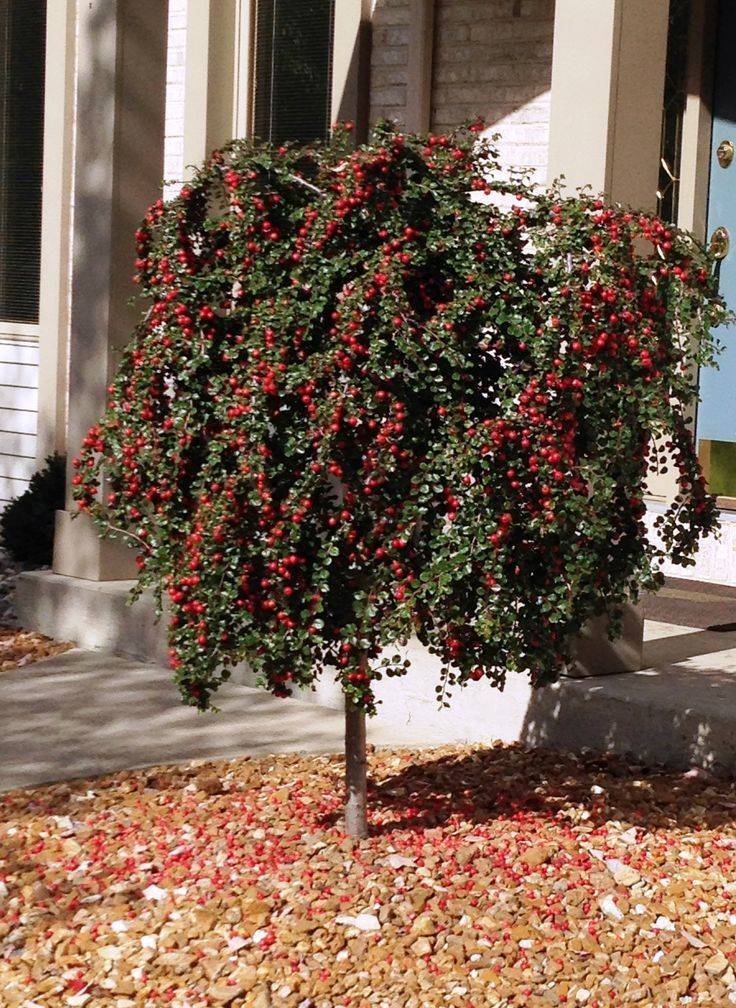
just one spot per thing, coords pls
(387, 392)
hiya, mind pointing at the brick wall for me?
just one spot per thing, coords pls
(388, 59)
(491, 58)
(494, 58)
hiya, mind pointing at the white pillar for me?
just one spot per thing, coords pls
(53, 313)
(351, 64)
(216, 102)
(121, 81)
(608, 69)
(419, 68)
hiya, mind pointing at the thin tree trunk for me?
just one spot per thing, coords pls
(356, 771)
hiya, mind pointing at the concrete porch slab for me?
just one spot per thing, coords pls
(680, 711)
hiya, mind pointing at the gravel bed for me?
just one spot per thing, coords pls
(493, 877)
(19, 647)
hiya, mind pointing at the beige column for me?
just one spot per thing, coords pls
(351, 64)
(53, 314)
(607, 89)
(216, 106)
(121, 78)
(608, 70)
(419, 68)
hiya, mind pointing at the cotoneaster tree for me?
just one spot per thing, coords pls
(384, 392)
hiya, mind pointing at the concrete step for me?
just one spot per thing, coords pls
(93, 614)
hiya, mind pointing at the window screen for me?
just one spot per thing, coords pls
(22, 53)
(293, 61)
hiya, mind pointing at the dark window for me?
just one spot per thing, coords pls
(293, 69)
(22, 54)
(675, 96)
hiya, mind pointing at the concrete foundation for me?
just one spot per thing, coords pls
(98, 615)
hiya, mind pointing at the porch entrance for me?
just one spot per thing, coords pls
(716, 420)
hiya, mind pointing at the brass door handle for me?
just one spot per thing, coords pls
(720, 243)
(724, 153)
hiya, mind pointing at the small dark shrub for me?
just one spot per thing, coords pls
(27, 524)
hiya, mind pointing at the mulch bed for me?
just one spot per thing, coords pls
(21, 647)
(498, 876)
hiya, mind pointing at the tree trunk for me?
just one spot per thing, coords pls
(356, 771)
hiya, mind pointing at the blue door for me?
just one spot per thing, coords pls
(716, 423)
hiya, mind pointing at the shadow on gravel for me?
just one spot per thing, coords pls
(510, 781)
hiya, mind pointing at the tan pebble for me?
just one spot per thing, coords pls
(304, 925)
(223, 993)
(626, 875)
(424, 925)
(464, 855)
(419, 897)
(212, 968)
(179, 962)
(125, 985)
(717, 964)
(536, 856)
(255, 912)
(209, 783)
(246, 976)
(421, 947)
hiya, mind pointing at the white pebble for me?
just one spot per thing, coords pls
(609, 908)
(154, 892)
(363, 921)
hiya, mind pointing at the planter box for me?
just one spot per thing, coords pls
(596, 655)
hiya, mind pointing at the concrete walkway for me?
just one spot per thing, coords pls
(85, 713)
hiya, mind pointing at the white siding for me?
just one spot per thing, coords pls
(18, 415)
